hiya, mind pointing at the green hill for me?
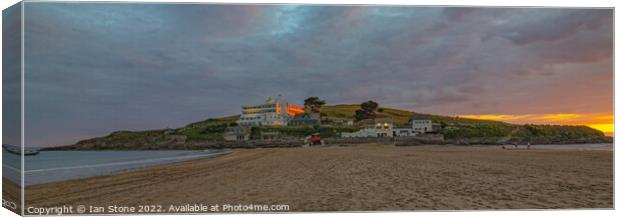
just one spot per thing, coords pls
(399, 116)
(333, 118)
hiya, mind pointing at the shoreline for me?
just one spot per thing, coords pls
(296, 143)
(358, 178)
(102, 163)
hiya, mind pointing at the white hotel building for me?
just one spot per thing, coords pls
(272, 112)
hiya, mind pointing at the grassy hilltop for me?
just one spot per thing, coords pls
(455, 129)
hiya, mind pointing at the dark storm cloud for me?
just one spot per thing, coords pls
(528, 27)
(95, 68)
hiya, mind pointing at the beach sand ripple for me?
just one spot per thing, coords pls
(359, 178)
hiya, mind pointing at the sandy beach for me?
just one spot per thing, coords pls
(357, 178)
(11, 193)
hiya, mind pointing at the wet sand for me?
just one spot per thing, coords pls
(358, 178)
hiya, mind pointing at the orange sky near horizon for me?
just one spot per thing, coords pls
(600, 121)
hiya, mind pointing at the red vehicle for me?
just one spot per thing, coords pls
(314, 139)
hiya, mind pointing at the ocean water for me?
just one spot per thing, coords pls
(52, 166)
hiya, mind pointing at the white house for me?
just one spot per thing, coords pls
(384, 127)
(400, 132)
(422, 124)
(378, 127)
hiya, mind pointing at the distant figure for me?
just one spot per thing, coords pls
(516, 146)
(529, 145)
(504, 147)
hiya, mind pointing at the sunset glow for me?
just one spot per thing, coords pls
(602, 122)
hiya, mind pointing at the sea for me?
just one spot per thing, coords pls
(53, 166)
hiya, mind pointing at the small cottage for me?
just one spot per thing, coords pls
(237, 133)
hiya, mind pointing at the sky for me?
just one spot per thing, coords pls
(95, 68)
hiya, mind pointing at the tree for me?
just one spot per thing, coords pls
(361, 115)
(370, 106)
(254, 133)
(367, 111)
(313, 104)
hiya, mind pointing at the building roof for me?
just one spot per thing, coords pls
(383, 120)
(374, 121)
(307, 116)
(421, 117)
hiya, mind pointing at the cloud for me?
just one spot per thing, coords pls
(534, 25)
(102, 67)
